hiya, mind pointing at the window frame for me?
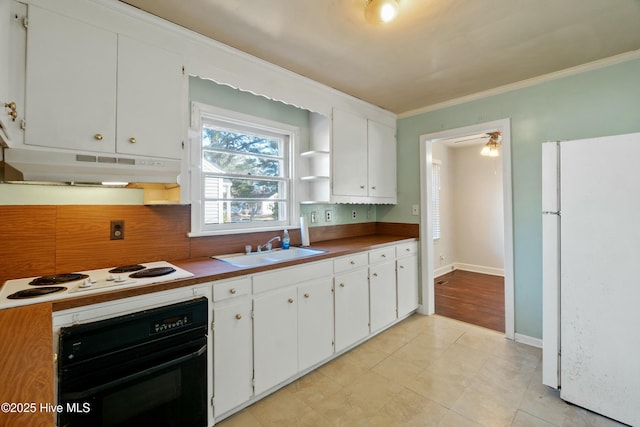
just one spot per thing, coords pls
(204, 113)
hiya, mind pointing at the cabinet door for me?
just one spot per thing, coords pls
(275, 338)
(407, 274)
(351, 308)
(315, 322)
(382, 294)
(151, 100)
(232, 354)
(70, 83)
(381, 159)
(349, 154)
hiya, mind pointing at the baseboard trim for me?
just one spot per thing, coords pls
(525, 339)
(468, 267)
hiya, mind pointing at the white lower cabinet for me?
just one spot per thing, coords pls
(315, 322)
(407, 278)
(275, 338)
(382, 294)
(351, 307)
(232, 354)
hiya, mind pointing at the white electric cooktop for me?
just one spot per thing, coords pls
(31, 290)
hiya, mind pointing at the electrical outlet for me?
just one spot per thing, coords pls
(328, 216)
(313, 217)
(117, 229)
(354, 215)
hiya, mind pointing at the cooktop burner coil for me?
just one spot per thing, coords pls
(36, 292)
(57, 279)
(152, 272)
(127, 268)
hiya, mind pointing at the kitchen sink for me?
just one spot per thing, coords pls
(256, 259)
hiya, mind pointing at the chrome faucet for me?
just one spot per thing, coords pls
(268, 244)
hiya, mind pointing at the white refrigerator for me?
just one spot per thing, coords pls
(591, 273)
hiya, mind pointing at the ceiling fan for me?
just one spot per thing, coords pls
(490, 149)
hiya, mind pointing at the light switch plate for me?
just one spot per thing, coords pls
(415, 210)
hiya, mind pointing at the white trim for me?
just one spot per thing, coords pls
(525, 339)
(426, 243)
(479, 269)
(594, 65)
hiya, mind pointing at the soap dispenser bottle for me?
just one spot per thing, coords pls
(285, 239)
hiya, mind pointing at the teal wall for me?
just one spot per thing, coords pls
(604, 101)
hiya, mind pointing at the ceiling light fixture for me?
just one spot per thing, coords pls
(490, 149)
(381, 11)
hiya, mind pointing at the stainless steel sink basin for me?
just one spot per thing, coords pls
(256, 259)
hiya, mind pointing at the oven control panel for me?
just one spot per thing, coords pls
(169, 323)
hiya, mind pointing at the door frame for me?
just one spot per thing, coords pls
(426, 230)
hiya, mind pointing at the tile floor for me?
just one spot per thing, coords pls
(425, 371)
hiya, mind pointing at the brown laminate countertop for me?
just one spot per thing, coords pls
(207, 269)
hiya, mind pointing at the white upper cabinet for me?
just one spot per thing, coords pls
(90, 89)
(349, 154)
(381, 160)
(363, 160)
(70, 83)
(151, 100)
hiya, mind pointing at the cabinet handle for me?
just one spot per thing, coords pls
(132, 140)
(232, 291)
(342, 285)
(306, 295)
(373, 188)
(401, 266)
(362, 186)
(238, 316)
(290, 300)
(98, 136)
(375, 274)
(353, 262)
(407, 249)
(384, 255)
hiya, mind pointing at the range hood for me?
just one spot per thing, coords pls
(55, 166)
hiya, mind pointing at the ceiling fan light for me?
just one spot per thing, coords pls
(381, 11)
(490, 149)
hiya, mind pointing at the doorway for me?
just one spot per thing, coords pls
(427, 145)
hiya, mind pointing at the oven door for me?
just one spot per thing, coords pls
(162, 384)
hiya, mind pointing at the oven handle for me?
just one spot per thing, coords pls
(78, 395)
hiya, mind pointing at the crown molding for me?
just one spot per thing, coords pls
(594, 65)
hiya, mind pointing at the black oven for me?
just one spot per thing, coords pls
(145, 368)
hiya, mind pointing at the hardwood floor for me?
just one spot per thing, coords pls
(471, 297)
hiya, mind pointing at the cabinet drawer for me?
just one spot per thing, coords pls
(382, 254)
(350, 262)
(232, 288)
(282, 277)
(405, 249)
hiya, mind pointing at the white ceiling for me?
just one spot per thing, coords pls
(435, 51)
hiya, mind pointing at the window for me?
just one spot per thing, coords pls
(435, 197)
(243, 178)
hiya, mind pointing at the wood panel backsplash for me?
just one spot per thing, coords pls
(41, 240)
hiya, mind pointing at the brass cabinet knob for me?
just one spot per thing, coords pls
(342, 285)
(98, 136)
(306, 295)
(10, 105)
(13, 114)
(232, 291)
(353, 262)
(384, 255)
(373, 188)
(238, 316)
(362, 186)
(401, 266)
(375, 274)
(132, 140)
(290, 300)
(407, 249)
